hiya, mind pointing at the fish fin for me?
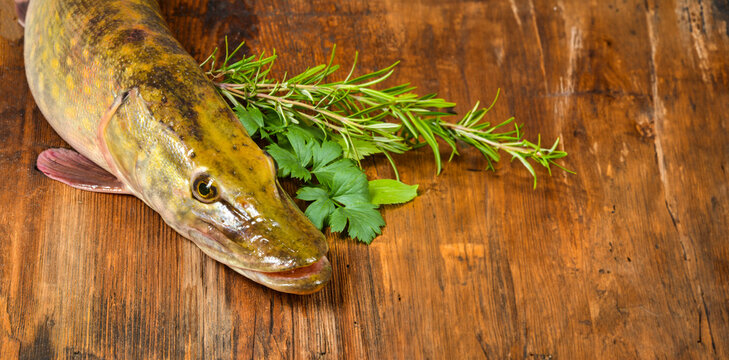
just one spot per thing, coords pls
(104, 123)
(21, 7)
(74, 169)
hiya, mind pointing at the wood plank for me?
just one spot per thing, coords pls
(626, 259)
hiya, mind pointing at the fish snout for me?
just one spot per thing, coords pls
(282, 233)
(300, 281)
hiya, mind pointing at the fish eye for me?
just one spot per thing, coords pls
(204, 189)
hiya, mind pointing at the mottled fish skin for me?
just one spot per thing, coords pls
(82, 55)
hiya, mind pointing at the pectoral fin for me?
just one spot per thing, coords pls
(104, 123)
(74, 169)
(129, 136)
(21, 7)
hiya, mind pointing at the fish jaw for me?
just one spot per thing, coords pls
(300, 281)
(301, 276)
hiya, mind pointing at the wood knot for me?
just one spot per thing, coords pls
(646, 130)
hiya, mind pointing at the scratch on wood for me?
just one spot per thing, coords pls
(659, 109)
(703, 55)
(708, 322)
(699, 341)
(567, 83)
(659, 114)
(696, 23)
(539, 45)
(515, 10)
(483, 344)
(575, 50)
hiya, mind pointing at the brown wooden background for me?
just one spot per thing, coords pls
(627, 259)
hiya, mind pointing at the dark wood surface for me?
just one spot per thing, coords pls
(629, 258)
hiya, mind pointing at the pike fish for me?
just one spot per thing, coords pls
(143, 119)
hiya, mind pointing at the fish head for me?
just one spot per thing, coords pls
(252, 225)
(220, 190)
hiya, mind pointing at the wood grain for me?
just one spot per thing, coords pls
(628, 258)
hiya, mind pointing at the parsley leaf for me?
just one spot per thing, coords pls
(288, 163)
(389, 191)
(350, 187)
(321, 207)
(363, 148)
(251, 118)
(364, 221)
(325, 153)
(325, 174)
(301, 146)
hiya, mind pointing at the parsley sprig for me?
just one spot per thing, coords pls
(337, 188)
(318, 131)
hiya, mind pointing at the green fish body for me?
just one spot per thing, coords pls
(114, 83)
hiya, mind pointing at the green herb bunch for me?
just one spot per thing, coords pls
(318, 131)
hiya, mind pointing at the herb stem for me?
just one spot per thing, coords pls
(330, 114)
(367, 121)
(471, 133)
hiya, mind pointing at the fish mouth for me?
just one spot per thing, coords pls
(301, 280)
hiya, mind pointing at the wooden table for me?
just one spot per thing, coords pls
(629, 258)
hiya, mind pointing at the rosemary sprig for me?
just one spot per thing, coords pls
(367, 121)
(318, 131)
